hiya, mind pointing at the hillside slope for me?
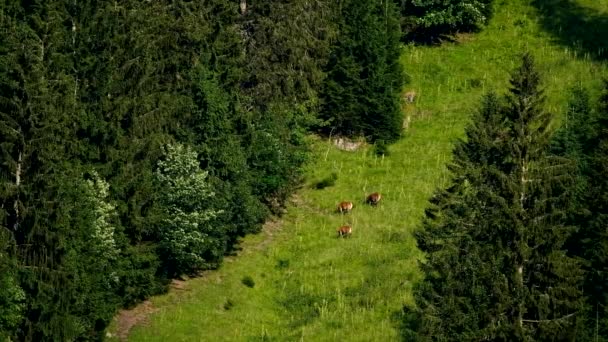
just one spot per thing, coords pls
(312, 286)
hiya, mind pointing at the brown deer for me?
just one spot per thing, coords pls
(374, 198)
(345, 231)
(345, 207)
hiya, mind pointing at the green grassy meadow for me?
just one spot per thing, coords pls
(312, 286)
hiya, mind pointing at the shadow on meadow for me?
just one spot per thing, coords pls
(581, 28)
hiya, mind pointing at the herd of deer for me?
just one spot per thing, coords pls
(373, 199)
(345, 207)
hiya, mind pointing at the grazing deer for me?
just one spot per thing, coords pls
(345, 231)
(345, 207)
(410, 96)
(374, 198)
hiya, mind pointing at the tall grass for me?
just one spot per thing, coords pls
(310, 285)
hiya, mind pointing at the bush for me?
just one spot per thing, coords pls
(283, 263)
(248, 281)
(381, 148)
(228, 305)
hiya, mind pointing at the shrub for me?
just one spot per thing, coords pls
(228, 305)
(381, 148)
(248, 281)
(283, 263)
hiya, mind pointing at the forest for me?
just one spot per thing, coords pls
(144, 142)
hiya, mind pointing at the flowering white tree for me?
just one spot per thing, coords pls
(188, 238)
(97, 192)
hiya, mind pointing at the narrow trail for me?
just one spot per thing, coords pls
(127, 319)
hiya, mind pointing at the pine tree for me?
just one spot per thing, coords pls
(364, 77)
(286, 45)
(582, 138)
(49, 211)
(593, 233)
(12, 297)
(496, 266)
(220, 146)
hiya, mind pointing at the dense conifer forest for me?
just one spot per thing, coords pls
(142, 141)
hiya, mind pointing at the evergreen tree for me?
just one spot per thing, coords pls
(213, 132)
(90, 92)
(582, 138)
(496, 266)
(36, 142)
(595, 235)
(364, 77)
(12, 297)
(286, 45)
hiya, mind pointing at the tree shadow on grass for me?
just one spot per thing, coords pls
(576, 26)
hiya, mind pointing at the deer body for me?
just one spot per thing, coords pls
(345, 207)
(410, 96)
(374, 198)
(345, 231)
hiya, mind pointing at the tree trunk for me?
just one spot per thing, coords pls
(17, 183)
(520, 266)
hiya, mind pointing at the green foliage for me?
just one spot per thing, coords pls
(426, 19)
(496, 266)
(280, 86)
(381, 148)
(12, 297)
(367, 280)
(90, 92)
(248, 281)
(364, 77)
(137, 270)
(582, 139)
(188, 238)
(595, 236)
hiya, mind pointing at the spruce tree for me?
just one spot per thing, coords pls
(593, 233)
(285, 45)
(364, 77)
(496, 266)
(12, 297)
(213, 131)
(582, 138)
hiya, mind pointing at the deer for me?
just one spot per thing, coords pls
(345, 231)
(374, 198)
(345, 207)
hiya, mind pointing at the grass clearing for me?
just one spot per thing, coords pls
(310, 285)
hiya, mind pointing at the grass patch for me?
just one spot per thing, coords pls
(319, 288)
(326, 182)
